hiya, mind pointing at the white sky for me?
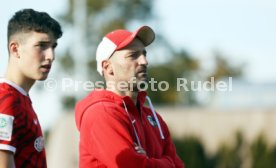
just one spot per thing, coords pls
(243, 30)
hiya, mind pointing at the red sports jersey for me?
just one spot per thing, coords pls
(20, 130)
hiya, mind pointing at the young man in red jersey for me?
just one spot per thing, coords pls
(32, 39)
(116, 129)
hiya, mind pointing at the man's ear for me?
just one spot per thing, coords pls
(107, 67)
(14, 49)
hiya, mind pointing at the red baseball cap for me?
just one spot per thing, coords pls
(118, 39)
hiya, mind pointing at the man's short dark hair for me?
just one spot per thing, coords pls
(28, 20)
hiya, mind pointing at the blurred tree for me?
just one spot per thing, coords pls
(240, 154)
(192, 152)
(262, 154)
(223, 68)
(230, 157)
(181, 65)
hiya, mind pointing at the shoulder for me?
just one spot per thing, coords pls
(105, 108)
(8, 96)
(104, 115)
(6, 91)
(9, 100)
(104, 111)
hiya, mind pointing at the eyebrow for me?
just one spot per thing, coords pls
(138, 51)
(43, 41)
(47, 42)
(131, 54)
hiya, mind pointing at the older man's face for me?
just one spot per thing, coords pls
(130, 63)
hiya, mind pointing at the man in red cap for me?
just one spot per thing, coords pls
(116, 129)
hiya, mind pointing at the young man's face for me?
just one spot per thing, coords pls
(36, 52)
(130, 62)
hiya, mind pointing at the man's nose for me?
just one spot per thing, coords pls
(143, 60)
(50, 54)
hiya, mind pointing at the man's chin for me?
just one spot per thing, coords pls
(139, 83)
(143, 79)
(142, 84)
(42, 78)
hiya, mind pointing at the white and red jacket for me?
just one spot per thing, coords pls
(110, 125)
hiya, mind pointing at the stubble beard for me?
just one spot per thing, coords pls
(139, 84)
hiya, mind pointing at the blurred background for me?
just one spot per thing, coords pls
(196, 40)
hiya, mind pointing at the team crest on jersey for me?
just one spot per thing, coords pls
(152, 121)
(6, 125)
(39, 144)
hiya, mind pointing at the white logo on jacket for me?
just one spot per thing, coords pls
(152, 121)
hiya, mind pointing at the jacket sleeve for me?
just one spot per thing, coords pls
(106, 134)
(169, 148)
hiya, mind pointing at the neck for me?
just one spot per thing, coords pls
(124, 92)
(18, 78)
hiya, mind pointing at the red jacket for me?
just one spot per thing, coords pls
(107, 135)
